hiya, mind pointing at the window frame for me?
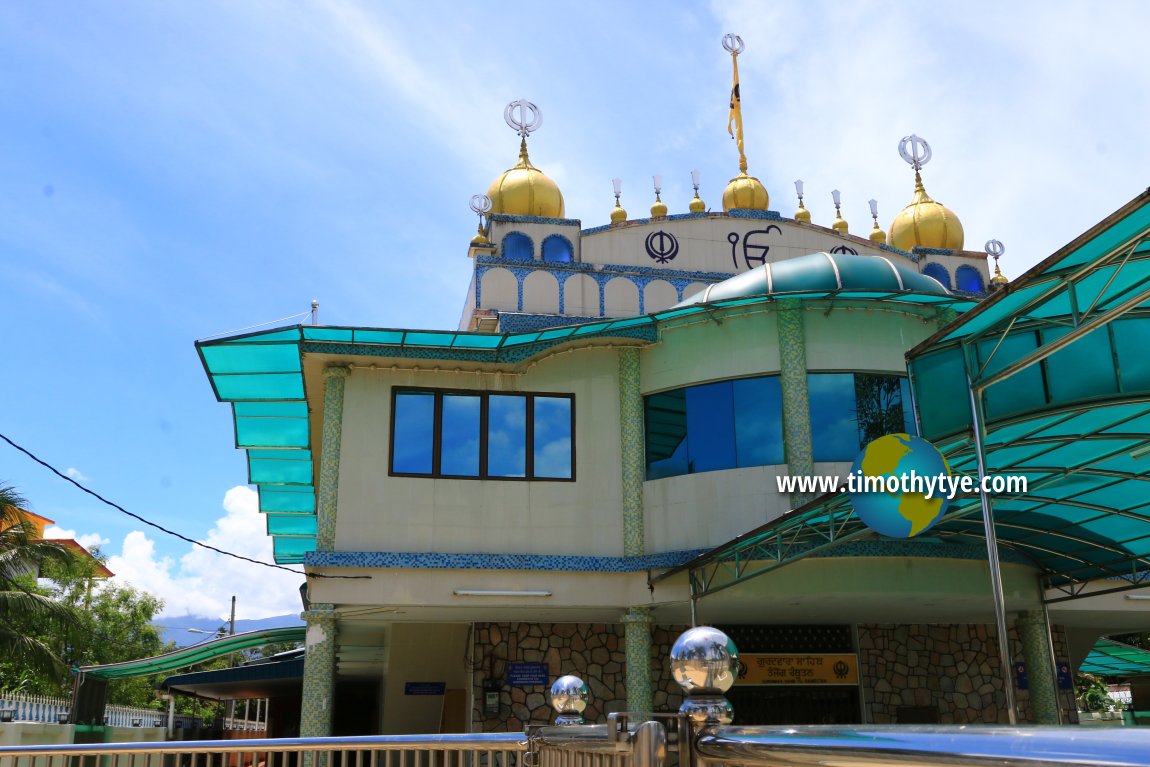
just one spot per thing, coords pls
(484, 398)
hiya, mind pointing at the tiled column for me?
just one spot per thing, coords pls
(318, 672)
(1036, 651)
(335, 380)
(797, 445)
(631, 439)
(637, 635)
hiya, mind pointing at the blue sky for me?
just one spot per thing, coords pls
(171, 171)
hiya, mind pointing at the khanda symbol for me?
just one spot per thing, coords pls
(754, 250)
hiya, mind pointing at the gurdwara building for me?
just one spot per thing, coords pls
(592, 460)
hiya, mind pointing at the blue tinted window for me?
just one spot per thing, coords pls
(969, 279)
(517, 246)
(758, 410)
(715, 426)
(461, 434)
(666, 434)
(834, 427)
(414, 433)
(552, 443)
(908, 424)
(939, 272)
(711, 426)
(459, 445)
(557, 248)
(506, 436)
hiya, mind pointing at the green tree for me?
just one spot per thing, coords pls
(26, 612)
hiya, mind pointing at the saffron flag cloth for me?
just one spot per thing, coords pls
(734, 114)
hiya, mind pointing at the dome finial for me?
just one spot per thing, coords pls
(802, 215)
(618, 215)
(995, 249)
(524, 190)
(744, 191)
(696, 205)
(480, 204)
(924, 223)
(877, 235)
(839, 224)
(659, 208)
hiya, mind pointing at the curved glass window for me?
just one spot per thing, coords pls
(968, 279)
(714, 426)
(939, 272)
(848, 410)
(557, 248)
(518, 247)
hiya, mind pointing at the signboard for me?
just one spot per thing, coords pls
(424, 688)
(813, 668)
(1065, 677)
(1020, 675)
(528, 674)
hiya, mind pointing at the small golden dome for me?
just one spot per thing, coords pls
(524, 190)
(618, 215)
(802, 215)
(659, 209)
(480, 238)
(696, 205)
(999, 279)
(925, 223)
(877, 236)
(840, 225)
(746, 193)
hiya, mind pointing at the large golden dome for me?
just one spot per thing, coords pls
(745, 192)
(524, 190)
(925, 224)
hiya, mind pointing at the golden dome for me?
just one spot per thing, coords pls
(925, 223)
(524, 190)
(840, 224)
(877, 236)
(618, 215)
(745, 192)
(659, 209)
(480, 238)
(802, 215)
(696, 205)
(999, 279)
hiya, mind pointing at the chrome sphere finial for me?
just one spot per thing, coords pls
(569, 697)
(705, 662)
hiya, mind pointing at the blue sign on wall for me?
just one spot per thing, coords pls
(527, 674)
(424, 688)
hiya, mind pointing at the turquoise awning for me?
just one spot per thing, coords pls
(198, 653)
(1110, 658)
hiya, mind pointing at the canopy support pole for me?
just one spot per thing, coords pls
(992, 554)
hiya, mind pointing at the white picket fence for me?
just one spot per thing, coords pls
(41, 708)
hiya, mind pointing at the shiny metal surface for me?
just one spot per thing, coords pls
(704, 661)
(569, 696)
(708, 709)
(924, 745)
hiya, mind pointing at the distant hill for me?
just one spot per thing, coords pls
(176, 629)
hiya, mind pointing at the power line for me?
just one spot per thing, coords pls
(163, 529)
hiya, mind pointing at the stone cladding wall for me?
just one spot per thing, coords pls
(595, 652)
(952, 667)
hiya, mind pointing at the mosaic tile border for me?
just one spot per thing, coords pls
(409, 560)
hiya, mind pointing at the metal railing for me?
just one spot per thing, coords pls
(474, 750)
(19, 707)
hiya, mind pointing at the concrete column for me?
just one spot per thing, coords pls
(335, 380)
(637, 623)
(631, 441)
(318, 672)
(797, 444)
(1036, 651)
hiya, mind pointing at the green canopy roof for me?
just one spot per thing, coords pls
(1110, 658)
(198, 653)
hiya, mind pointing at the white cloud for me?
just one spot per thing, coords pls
(203, 582)
(87, 540)
(75, 474)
